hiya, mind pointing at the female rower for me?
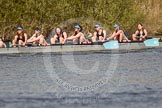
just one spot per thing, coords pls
(20, 38)
(99, 34)
(37, 38)
(60, 36)
(118, 34)
(2, 44)
(140, 34)
(78, 36)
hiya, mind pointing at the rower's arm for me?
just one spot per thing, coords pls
(71, 37)
(74, 37)
(137, 32)
(119, 32)
(15, 40)
(78, 35)
(95, 35)
(26, 38)
(55, 36)
(145, 31)
(39, 37)
(31, 38)
(112, 36)
(104, 32)
(65, 36)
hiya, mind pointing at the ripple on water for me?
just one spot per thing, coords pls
(137, 82)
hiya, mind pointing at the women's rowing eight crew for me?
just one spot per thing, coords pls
(61, 36)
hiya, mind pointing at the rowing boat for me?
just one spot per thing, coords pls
(74, 48)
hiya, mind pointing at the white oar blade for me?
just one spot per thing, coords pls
(111, 45)
(152, 42)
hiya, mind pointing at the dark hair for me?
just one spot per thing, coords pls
(38, 28)
(140, 24)
(20, 34)
(60, 30)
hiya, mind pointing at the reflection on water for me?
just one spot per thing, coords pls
(136, 82)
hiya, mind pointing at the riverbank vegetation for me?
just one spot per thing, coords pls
(50, 13)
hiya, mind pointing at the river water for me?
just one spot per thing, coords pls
(105, 79)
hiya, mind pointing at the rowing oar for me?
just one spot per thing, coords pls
(111, 44)
(152, 42)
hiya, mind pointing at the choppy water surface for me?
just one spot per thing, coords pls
(106, 79)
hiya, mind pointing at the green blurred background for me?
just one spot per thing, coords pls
(50, 13)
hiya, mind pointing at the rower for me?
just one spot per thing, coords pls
(2, 44)
(78, 36)
(60, 36)
(37, 38)
(99, 34)
(118, 34)
(20, 38)
(140, 34)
